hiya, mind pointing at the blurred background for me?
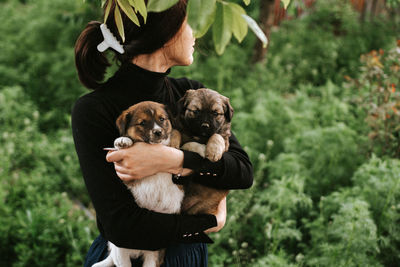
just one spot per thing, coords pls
(318, 111)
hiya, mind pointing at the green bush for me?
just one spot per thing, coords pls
(38, 43)
(20, 129)
(44, 229)
(25, 148)
(331, 155)
(378, 182)
(274, 260)
(326, 42)
(358, 225)
(348, 238)
(273, 118)
(269, 223)
(6, 220)
(286, 164)
(41, 226)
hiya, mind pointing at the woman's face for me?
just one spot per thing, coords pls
(180, 49)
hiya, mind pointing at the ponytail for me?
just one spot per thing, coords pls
(90, 63)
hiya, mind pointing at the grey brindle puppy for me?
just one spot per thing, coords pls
(204, 120)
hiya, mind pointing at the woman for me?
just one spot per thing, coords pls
(165, 40)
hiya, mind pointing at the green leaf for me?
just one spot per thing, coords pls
(201, 14)
(160, 5)
(118, 22)
(133, 4)
(239, 24)
(246, 2)
(285, 3)
(128, 10)
(256, 29)
(140, 6)
(107, 10)
(222, 33)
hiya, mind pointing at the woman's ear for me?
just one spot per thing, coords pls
(123, 122)
(228, 110)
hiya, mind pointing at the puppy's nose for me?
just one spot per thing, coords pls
(205, 125)
(157, 132)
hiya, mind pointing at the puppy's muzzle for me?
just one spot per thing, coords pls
(157, 132)
(205, 126)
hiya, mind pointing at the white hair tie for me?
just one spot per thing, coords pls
(109, 41)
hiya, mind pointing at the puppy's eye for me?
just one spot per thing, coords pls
(162, 119)
(194, 111)
(215, 113)
(142, 123)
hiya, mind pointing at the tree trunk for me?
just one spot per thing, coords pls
(266, 23)
(373, 9)
(369, 8)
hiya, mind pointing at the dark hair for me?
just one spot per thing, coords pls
(159, 28)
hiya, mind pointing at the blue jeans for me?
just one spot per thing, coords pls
(180, 255)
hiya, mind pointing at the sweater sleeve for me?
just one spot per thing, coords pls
(119, 218)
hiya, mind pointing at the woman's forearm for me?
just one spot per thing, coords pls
(142, 160)
(174, 161)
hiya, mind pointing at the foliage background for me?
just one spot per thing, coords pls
(319, 121)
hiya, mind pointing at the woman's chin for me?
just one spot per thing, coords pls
(186, 62)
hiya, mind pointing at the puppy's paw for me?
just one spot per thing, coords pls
(215, 148)
(214, 152)
(195, 147)
(123, 142)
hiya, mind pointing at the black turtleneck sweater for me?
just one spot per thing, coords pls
(119, 218)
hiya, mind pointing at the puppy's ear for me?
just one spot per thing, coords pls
(123, 122)
(183, 102)
(228, 110)
(180, 107)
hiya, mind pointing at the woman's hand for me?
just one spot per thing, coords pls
(142, 160)
(221, 217)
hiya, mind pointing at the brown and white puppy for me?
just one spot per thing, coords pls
(204, 119)
(147, 122)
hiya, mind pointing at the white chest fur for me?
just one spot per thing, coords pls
(157, 193)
